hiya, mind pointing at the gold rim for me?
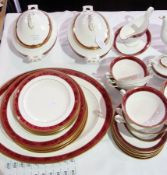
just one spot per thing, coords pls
(37, 45)
(92, 47)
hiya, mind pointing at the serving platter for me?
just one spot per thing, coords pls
(99, 117)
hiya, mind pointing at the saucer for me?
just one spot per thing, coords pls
(136, 47)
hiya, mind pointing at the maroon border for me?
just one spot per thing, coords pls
(132, 58)
(148, 89)
(94, 141)
(148, 35)
(53, 128)
(42, 146)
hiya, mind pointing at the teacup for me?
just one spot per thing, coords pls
(128, 72)
(144, 110)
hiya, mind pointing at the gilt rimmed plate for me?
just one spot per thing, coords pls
(53, 143)
(96, 126)
(134, 48)
(87, 52)
(46, 102)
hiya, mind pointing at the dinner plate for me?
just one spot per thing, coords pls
(164, 90)
(134, 48)
(46, 102)
(96, 126)
(43, 146)
(87, 53)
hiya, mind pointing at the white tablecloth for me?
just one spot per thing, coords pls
(104, 158)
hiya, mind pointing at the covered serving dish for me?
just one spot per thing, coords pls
(34, 33)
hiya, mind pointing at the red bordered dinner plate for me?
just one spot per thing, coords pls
(96, 126)
(46, 102)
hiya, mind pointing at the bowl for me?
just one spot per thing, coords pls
(129, 72)
(145, 109)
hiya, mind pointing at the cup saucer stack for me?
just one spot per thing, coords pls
(139, 123)
(48, 115)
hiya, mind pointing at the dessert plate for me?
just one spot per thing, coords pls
(92, 55)
(99, 118)
(46, 102)
(132, 46)
(49, 145)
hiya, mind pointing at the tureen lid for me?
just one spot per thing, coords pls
(91, 28)
(33, 27)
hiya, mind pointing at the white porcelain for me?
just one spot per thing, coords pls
(52, 97)
(95, 123)
(34, 37)
(90, 55)
(128, 72)
(159, 66)
(33, 26)
(145, 110)
(164, 89)
(134, 141)
(91, 28)
(137, 26)
(164, 29)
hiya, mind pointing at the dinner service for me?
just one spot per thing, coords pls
(34, 33)
(128, 72)
(134, 37)
(98, 121)
(97, 46)
(144, 109)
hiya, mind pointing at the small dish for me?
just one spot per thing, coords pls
(128, 72)
(91, 28)
(132, 46)
(34, 33)
(46, 102)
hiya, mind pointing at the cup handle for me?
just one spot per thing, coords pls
(122, 92)
(119, 119)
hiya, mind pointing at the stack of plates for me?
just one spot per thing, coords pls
(133, 146)
(51, 115)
